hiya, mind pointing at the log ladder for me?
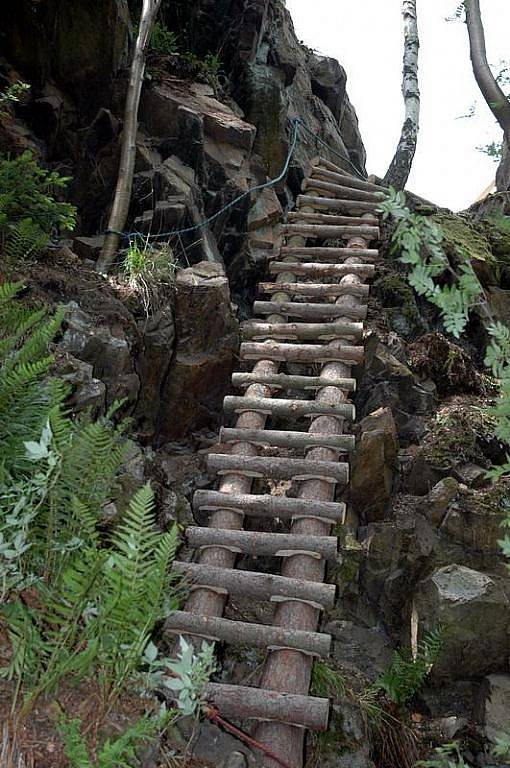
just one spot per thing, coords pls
(313, 317)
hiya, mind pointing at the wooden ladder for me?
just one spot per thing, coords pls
(313, 317)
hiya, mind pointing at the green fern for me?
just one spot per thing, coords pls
(24, 238)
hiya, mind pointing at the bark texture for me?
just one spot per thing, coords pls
(492, 93)
(120, 208)
(400, 167)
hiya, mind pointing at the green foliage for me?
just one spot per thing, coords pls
(25, 239)
(448, 756)
(326, 681)
(502, 747)
(12, 94)
(163, 40)
(191, 671)
(494, 150)
(404, 677)
(150, 270)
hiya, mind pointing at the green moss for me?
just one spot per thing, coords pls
(459, 435)
(397, 296)
(464, 238)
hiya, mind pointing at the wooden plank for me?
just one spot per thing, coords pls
(255, 329)
(325, 254)
(331, 218)
(289, 381)
(267, 506)
(330, 230)
(299, 353)
(241, 702)
(255, 635)
(341, 192)
(280, 438)
(258, 544)
(260, 586)
(340, 177)
(278, 468)
(322, 270)
(309, 311)
(315, 289)
(334, 204)
(280, 407)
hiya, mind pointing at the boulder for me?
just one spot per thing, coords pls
(374, 465)
(158, 338)
(493, 705)
(88, 393)
(266, 210)
(88, 247)
(438, 499)
(474, 520)
(474, 610)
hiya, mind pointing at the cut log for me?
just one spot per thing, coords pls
(299, 353)
(279, 407)
(316, 289)
(322, 270)
(338, 177)
(259, 544)
(260, 586)
(269, 507)
(284, 439)
(309, 311)
(288, 381)
(254, 635)
(330, 230)
(324, 254)
(334, 204)
(278, 468)
(254, 329)
(330, 218)
(343, 193)
(241, 702)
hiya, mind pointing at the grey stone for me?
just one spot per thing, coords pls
(493, 705)
(439, 498)
(88, 247)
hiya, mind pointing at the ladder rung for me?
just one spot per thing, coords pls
(285, 439)
(299, 353)
(322, 270)
(316, 289)
(255, 635)
(334, 204)
(340, 177)
(258, 544)
(325, 255)
(309, 311)
(267, 506)
(281, 407)
(287, 381)
(347, 193)
(331, 218)
(331, 231)
(278, 468)
(260, 586)
(254, 329)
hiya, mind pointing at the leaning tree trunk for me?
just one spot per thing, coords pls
(120, 207)
(496, 99)
(400, 167)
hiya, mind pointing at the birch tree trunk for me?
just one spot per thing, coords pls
(120, 207)
(400, 167)
(492, 93)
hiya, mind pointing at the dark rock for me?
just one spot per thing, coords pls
(328, 80)
(88, 393)
(474, 520)
(439, 498)
(158, 335)
(88, 247)
(493, 705)
(357, 647)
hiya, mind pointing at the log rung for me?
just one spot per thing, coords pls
(300, 353)
(253, 329)
(316, 289)
(339, 177)
(331, 218)
(283, 439)
(323, 254)
(255, 635)
(342, 192)
(287, 381)
(281, 407)
(243, 702)
(267, 506)
(316, 269)
(260, 586)
(330, 231)
(278, 468)
(258, 544)
(309, 311)
(335, 204)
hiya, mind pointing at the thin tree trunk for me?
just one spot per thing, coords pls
(120, 207)
(494, 96)
(400, 167)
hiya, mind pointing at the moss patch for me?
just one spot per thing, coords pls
(397, 296)
(460, 434)
(450, 368)
(464, 238)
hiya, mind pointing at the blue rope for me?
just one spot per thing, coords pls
(296, 123)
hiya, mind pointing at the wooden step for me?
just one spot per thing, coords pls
(343, 193)
(322, 270)
(330, 231)
(288, 381)
(316, 289)
(277, 468)
(273, 406)
(309, 311)
(335, 204)
(300, 353)
(340, 177)
(260, 586)
(325, 254)
(241, 702)
(253, 329)
(285, 439)
(267, 506)
(258, 544)
(330, 218)
(254, 635)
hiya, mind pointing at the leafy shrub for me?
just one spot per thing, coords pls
(163, 40)
(12, 94)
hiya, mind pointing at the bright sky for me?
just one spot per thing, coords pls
(366, 37)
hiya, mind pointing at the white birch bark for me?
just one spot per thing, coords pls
(120, 207)
(400, 167)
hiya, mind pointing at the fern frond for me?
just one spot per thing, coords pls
(75, 745)
(25, 239)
